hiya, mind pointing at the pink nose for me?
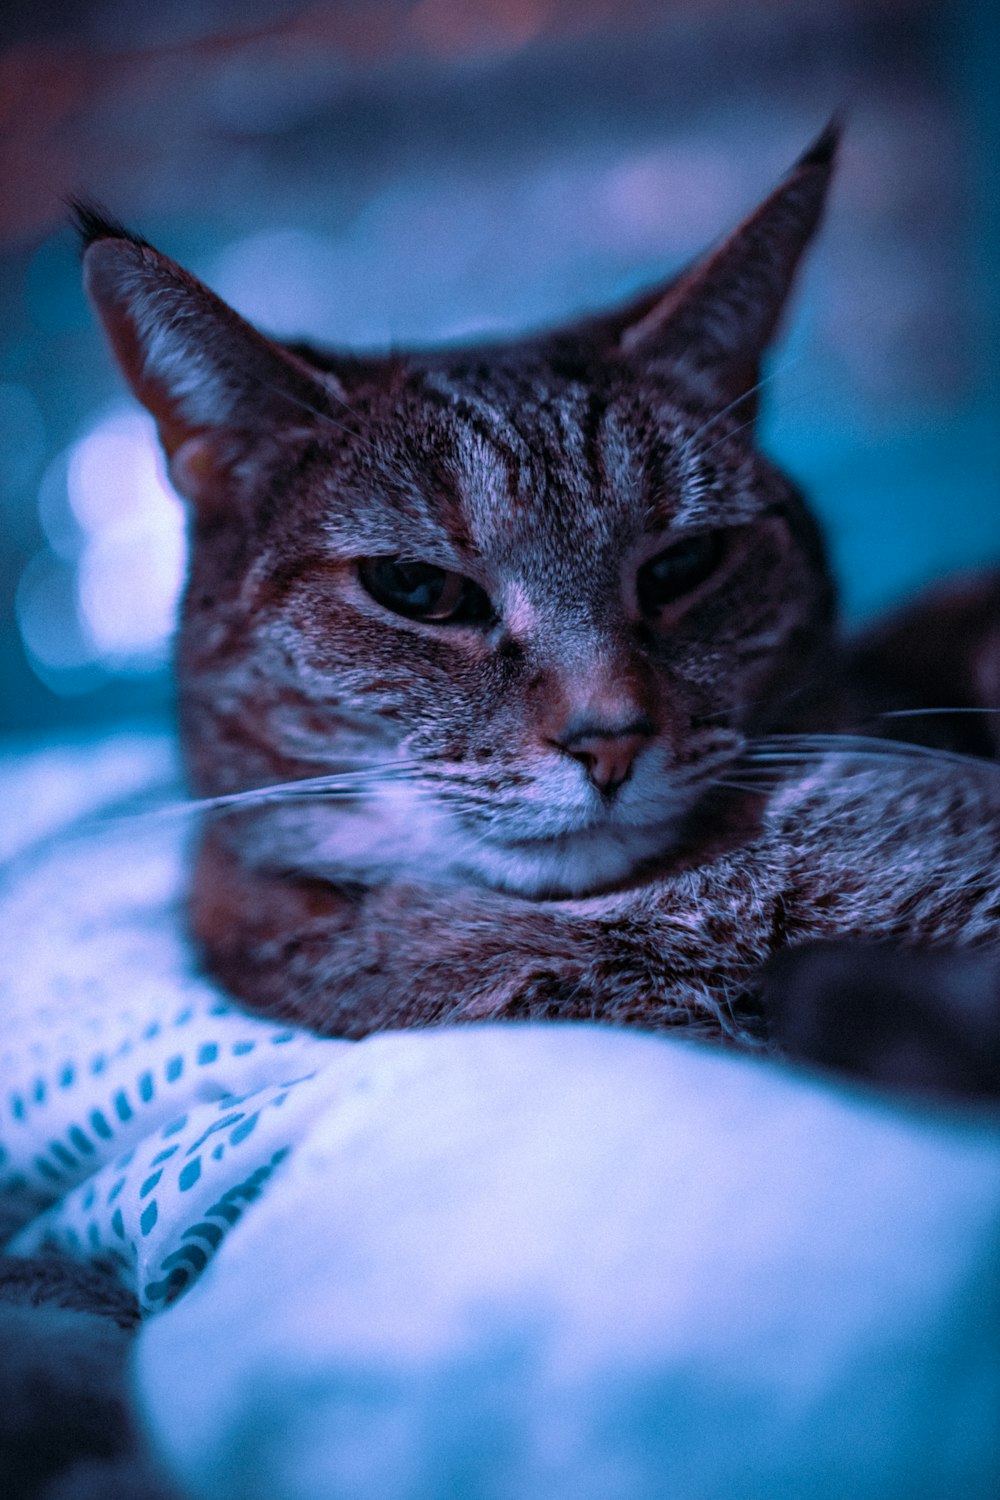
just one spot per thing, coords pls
(608, 757)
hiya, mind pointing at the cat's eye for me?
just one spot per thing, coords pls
(423, 591)
(677, 571)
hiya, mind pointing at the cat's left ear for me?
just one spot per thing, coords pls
(718, 317)
(210, 379)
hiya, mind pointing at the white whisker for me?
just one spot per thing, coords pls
(338, 785)
(743, 396)
(811, 748)
(921, 713)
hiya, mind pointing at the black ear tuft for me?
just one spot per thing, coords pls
(92, 222)
(823, 151)
(199, 368)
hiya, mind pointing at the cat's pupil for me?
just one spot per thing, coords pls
(417, 585)
(677, 570)
(423, 591)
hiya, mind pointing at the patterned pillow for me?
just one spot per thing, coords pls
(140, 1112)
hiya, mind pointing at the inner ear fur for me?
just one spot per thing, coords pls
(210, 379)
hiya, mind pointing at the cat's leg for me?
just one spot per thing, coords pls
(349, 961)
(899, 849)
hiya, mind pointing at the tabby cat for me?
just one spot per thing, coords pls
(503, 637)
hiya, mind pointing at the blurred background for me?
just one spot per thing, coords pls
(373, 172)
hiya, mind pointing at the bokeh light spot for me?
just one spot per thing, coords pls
(131, 567)
(278, 279)
(116, 475)
(103, 598)
(63, 531)
(128, 580)
(47, 616)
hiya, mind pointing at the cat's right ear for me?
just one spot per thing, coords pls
(715, 320)
(209, 378)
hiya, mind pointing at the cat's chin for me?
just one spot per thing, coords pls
(584, 863)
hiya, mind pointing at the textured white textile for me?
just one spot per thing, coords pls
(570, 1263)
(140, 1111)
(522, 1263)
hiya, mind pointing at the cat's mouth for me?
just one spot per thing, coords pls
(580, 863)
(392, 830)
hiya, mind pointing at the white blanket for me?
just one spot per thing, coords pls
(504, 1263)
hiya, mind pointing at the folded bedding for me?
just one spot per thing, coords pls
(518, 1261)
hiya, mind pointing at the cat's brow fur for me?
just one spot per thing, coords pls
(495, 873)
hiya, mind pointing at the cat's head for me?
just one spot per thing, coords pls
(551, 581)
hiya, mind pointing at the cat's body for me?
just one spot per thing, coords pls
(526, 613)
(540, 598)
